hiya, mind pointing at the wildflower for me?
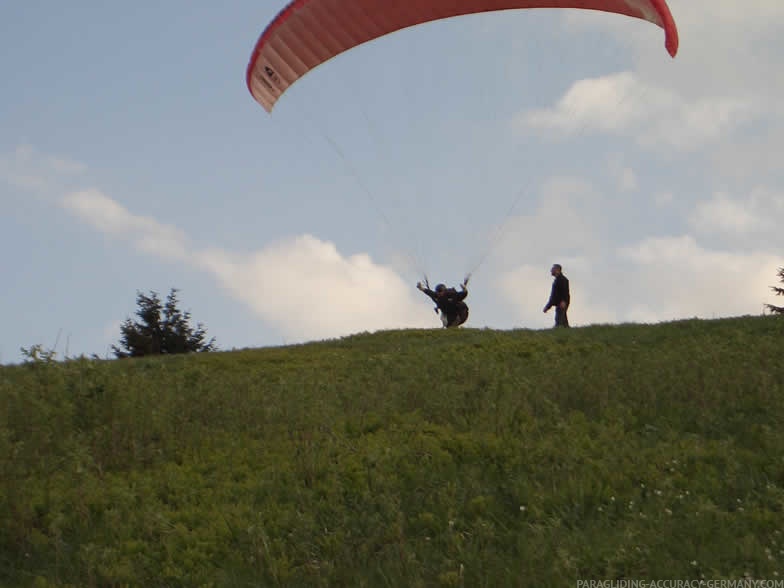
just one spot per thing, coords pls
(522, 508)
(668, 511)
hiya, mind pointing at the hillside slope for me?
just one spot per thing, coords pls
(403, 458)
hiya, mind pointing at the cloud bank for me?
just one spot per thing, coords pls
(303, 286)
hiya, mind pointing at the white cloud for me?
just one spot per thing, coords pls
(592, 104)
(728, 24)
(27, 170)
(759, 212)
(110, 217)
(749, 157)
(724, 215)
(623, 103)
(526, 288)
(706, 27)
(65, 166)
(303, 286)
(662, 199)
(622, 175)
(654, 280)
(627, 180)
(569, 220)
(726, 75)
(308, 290)
(691, 125)
(17, 171)
(674, 277)
(570, 227)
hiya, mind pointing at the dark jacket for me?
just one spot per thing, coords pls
(451, 303)
(559, 292)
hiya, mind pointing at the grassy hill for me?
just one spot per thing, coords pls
(405, 458)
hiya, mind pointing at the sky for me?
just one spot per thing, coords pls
(133, 159)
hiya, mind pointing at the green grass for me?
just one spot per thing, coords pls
(404, 458)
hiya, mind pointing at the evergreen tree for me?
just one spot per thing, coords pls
(779, 292)
(162, 328)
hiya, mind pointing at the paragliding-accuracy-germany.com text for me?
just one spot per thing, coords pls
(740, 583)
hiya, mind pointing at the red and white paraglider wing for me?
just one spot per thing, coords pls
(306, 33)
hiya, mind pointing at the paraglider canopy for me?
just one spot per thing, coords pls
(306, 33)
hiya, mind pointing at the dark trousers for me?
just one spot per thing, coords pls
(561, 320)
(457, 319)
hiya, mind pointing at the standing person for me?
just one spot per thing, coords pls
(559, 296)
(454, 312)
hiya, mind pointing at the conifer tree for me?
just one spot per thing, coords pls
(161, 328)
(779, 292)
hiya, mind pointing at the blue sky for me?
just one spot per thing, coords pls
(132, 157)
